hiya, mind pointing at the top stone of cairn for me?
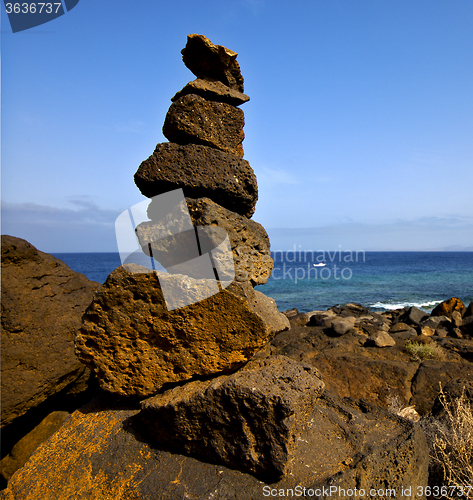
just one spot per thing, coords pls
(209, 61)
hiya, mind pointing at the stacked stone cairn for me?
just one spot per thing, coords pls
(232, 409)
(210, 384)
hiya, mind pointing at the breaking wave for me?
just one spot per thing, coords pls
(389, 307)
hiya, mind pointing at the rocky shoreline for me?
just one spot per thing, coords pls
(341, 370)
(215, 393)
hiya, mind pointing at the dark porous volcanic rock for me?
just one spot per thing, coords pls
(201, 171)
(135, 345)
(413, 316)
(249, 420)
(467, 327)
(469, 311)
(42, 304)
(350, 367)
(102, 453)
(212, 90)
(447, 307)
(216, 62)
(194, 120)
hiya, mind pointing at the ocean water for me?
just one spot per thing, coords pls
(377, 280)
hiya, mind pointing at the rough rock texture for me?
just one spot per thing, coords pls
(249, 420)
(447, 307)
(352, 365)
(413, 316)
(469, 311)
(248, 239)
(25, 447)
(346, 444)
(42, 304)
(201, 171)
(216, 62)
(194, 120)
(341, 326)
(381, 339)
(135, 345)
(212, 90)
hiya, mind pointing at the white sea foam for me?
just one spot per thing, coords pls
(400, 305)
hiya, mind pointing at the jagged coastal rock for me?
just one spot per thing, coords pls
(42, 304)
(194, 119)
(376, 357)
(102, 451)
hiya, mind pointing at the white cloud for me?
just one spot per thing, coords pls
(425, 233)
(86, 228)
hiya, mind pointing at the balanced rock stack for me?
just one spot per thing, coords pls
(129, 337)
(135, 344)
(209, 390)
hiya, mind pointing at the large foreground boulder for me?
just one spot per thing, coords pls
(135, 345)
(101, 452)
(201, 171)
(42, 304)
(250, 420)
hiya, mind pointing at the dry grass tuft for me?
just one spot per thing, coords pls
(419, 352)
(451, 445)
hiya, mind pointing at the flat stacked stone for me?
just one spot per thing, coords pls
(201, 171)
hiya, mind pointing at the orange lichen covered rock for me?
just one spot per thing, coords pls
(447, 307)
(134, 344)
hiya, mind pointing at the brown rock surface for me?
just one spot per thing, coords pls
(201, 171)
(212, 90)
(101, 453)
(135, 345)
(42, 304)
(207, 60)
(350, 368)
(447, 307)
(249, 420)
(432, 373)
(248, 239)
(27, 444)
(194, 120)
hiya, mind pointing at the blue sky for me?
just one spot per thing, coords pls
(359, 127)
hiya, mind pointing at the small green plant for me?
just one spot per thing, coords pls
(451, 445)
(419, 352)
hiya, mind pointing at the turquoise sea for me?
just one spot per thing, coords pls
(377, 280)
